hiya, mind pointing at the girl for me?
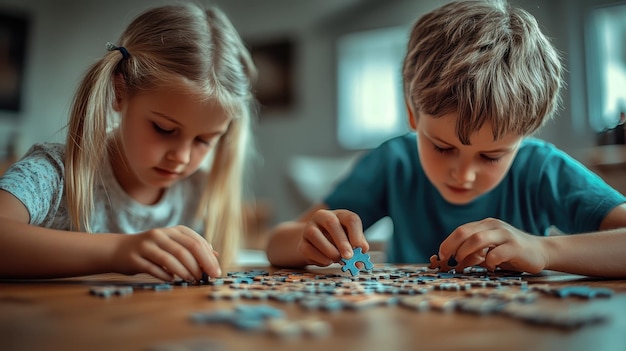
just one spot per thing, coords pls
(173, 93)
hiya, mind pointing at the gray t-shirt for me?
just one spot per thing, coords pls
(38, 180)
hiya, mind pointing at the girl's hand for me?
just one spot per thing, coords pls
(166, 253)
(330, 235)
(492, 243)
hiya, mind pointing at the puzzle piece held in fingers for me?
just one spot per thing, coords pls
(444, 266)
(349, 264)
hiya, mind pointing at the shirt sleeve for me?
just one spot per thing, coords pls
(37, 181)
(575, 198)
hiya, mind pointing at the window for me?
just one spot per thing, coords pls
(370, 102)
(606, 60)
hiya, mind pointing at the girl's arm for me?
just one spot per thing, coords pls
(29, 251)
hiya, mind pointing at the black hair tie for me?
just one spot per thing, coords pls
(112, 47)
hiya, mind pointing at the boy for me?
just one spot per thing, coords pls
(479, 79)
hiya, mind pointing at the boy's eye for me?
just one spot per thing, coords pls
(490, 159)
(442, 150)
(162, 130)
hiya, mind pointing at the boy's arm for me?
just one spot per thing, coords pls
(283, 243)
(599, 254)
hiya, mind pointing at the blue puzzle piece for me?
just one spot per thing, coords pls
(357, 256)
(243, 317)
(582, 291)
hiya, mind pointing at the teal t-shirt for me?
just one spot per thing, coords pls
(544, 187)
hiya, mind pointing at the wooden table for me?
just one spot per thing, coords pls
(62, 315)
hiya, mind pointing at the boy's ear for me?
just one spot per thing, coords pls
(412, 120)
(120, 92)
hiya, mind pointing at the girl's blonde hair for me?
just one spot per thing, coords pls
(486, 61)
(166, 45)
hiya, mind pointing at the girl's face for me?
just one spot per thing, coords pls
(461, 173)
(166, 135)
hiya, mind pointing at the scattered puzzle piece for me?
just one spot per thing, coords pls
(417, 288)
(357, 256)
(582, 291)
(263, 318)
(110, 290)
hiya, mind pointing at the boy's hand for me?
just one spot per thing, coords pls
(330, 235)
(166, 253)
(492, 243)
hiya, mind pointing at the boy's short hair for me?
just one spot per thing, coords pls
(486, 61)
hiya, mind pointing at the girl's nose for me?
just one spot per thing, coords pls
(180, 153)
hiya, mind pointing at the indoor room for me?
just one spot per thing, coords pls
(329, 90)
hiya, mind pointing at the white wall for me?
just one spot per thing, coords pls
(68, 35)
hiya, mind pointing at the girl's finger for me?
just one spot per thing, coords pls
(186, 253)
(204, 257)
(154, 270)
(161, 255)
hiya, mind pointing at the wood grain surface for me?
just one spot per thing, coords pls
(61, 315)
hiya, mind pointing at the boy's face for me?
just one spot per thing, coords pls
(460, 172)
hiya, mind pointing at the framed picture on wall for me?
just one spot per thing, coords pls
(13, 38)
(274, 62)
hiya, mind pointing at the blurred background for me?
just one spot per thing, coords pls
(329, 82)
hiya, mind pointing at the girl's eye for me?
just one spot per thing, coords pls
(442, 150)
(490, 159)
(161, 130)
(204, 141)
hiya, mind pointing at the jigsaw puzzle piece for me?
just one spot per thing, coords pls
(349, 264)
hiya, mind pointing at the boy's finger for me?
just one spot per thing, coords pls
(332, 225)
(321, 241)
(452, 244)
(474, 259)
(478, 241)
(316, 256)
(353, 226)
(498, 256)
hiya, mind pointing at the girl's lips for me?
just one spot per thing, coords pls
(166, 173)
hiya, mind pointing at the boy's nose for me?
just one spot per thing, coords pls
(464, 173)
